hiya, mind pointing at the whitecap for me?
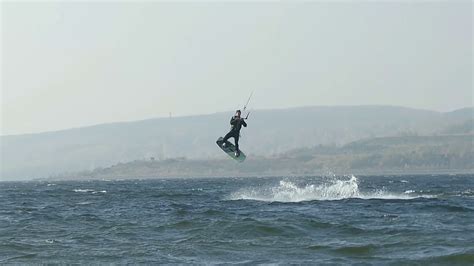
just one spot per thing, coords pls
(83, 190)
(89, 190)
(332, 189)
(84, 203)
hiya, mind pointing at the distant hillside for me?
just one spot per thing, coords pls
(409, 153)
(270, 132)
(465, 127)
(401, 155)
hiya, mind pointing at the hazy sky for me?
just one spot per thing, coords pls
(74, 64)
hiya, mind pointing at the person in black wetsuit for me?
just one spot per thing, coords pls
(237, 122)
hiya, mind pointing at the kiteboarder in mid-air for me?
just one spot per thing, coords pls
(236, 124)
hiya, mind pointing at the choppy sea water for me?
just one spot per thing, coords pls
(306, 220)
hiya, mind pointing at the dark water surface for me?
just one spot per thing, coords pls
(324, 220)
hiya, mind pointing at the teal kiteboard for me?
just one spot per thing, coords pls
(230, 150)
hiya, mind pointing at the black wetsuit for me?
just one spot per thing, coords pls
(235, 130)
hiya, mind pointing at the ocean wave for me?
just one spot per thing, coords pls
(333, 189)
(83, 190)
(461, 258)
(89, 191)
(356, 250)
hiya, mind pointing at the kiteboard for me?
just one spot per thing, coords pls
(230, 150)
